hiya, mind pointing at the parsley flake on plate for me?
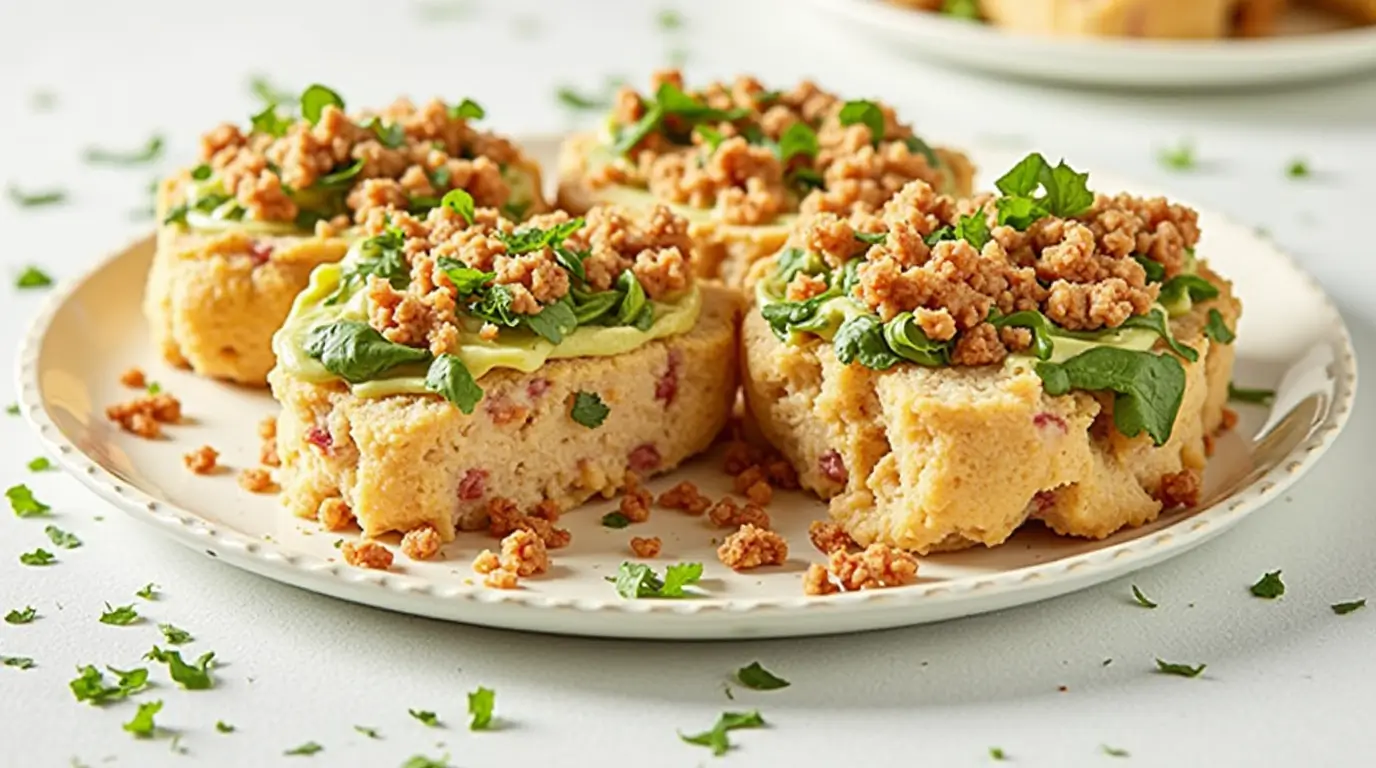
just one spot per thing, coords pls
(18, 662)
(1248, 395)
(35, 199)
(996, 753)
(1114, 751)
(224, 727)
(615, 520)
(1141, 599)
(366, 731)
(12, 409)
(589, 410)
(421, 761)
(61, 538)
(306, 750)
(142, 725)
(1178, 158)
(1297, 169)
(480, 706)
(40, 464)
(1269, 586)
(23, 502)
(637, 580)
(1183, 670)
(429, 718)
(90, 684)
(149, 591)
(25, 616)
(757, 678)
(193, 677)
(39, 556)
(1342, 609)
(175, 635)
(122, 616)
(716, 739)
(146, 154)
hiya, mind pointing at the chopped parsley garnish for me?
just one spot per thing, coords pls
(314, 100)
(1247, 395)
(670, 101)
(192, 677)
(379, 256)
(865, 113)
(460, 202)
(716, 739)
(1297, 169)
(224, 727)
(1156, 271)
(756, 677)
(1178, 158)
(35, 199)
(467, 109)
(421, 761)
(142, 725)
(263, 88)
(1342, 609)
(18, 662)
(366, 731)
(12, 409)
(588, 409)
(33, 277)
(40, 464)
(1065, 193)
(480, 704)
(154, 388)
(1183, 670)
(16, 616)
(122, 616)
(61, 538)
(449, 378)
(963, 9)
(1156, 320)
(861, 339)
(90, 684)
(798, 140)
(973, 229)
(1148, 388)
(579, 101)
(175, 635)
(307, 749)
(1217, 330)
(996, 753)
(429, 718)
(1269, 586)
(270, 122)
(149, 591)
(637, 580)
(1141, 599)
(1114, 751)
(39, 556)
(615, 520)
(23, 502)
(147, 154)
(669, 19)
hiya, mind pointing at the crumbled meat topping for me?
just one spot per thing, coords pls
(739, 173)
(256, 480)
(504, 518)
(686, 497)
(728, 514)
(878, 566)
(422, 543)
(524, 554)
(202, 461)
(1180, 489)
(752, 547)
(133, 377)
(645, 547)
(143, 416)
(403, 153)
(334, 514)
(817, 581)
(635, 500)
(829, 537)
(367, 554)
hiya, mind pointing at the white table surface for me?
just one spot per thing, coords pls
(1288, 683)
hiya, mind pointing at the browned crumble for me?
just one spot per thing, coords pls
(635, 500)
(747, 182)
(143, 416)
(259, 170)
(524, 554)
(334, 514)
(817, 581)
(728, 514)
(686, 497)
(1229, 419)
(505, 518)
(256, 480)
(202, 461)
(267, 453)
(646, 547)
(752, 547)
(654, 245)
(367, 554)
(547, 509)
(877, 566)
(781, 474)
(421, 543)
(829, 537)
(1180, 489)
(133, 378)
(486, 562)
(1209, 445)
(501, 578)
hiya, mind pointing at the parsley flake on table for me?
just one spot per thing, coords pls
(25, 616)
(636, 580)
(1342, 609)
(193, 677)
(996, 753)
(142, 725)
(1114, 751)
(122, 616)
(369, 732)
(1297, 169)
(40, 464)
(224, 727)
(18, 662)
(589, 410)
(90, 684)
(61, 538)
(1247, 395)
(23, 502)
(39, 556)
(421, 761)
(1269, 586)
(1141, 599)
(429, 718)
(35, 199)
(480, 705)
(1183, 670)
(756, 677)
(147, 154)
(1178, 158)
(307, 749)
(716, 739)
(12, 409)
(149, 591)
(175, 635)
(669, 19)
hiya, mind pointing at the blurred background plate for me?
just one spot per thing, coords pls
(1310, 46)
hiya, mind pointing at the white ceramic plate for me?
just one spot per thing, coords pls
(1310, 48)
(90, 330)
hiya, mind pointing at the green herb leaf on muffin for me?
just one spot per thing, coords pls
(467, 109)
(1156, 271)
(1043, 345)
(356, 352)
(797, 140)
(1215, 328)
(905, 338)
(1148, 388)
(589, 410)
(450, 378)
(1156, 320)
(1269, 586)
(314, 100)
(671, 101)
(270, 122)
(861, 339)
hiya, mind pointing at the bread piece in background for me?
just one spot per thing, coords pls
(1360, 11)
(1138, 18)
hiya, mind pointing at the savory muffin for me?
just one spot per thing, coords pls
(741, 161)
(1121, 18)
(945, 370)
(457, 366)
(242, 230)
